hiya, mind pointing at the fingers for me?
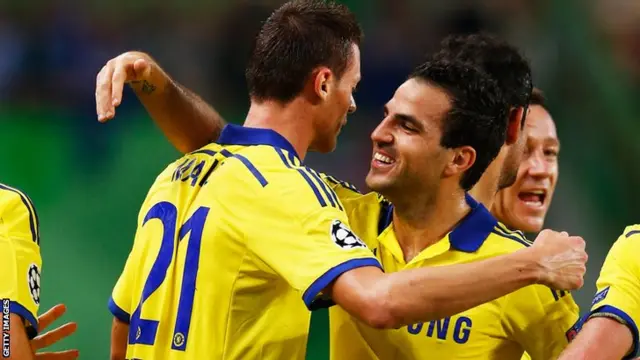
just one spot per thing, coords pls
(578, 242)
(111, 79)
(51, 315)
(51, 337)
(59, 355)
(141, 68)
(117, 85)
(104, 104)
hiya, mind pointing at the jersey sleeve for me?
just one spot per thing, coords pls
(120, 303)
(343, 189)
(540, 319)
(618, 294)
(20, 262)
(308, 245)
(369, 214)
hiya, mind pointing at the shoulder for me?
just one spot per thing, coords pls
(624, 251)
(630, 238)
(503, 240)
(18, 214)
(274, 180)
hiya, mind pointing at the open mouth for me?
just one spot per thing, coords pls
(533, 198)
(382, 159)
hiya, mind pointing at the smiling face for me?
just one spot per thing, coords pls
(406, 145)
(524, 205)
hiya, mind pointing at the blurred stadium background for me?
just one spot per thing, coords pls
(88, 180)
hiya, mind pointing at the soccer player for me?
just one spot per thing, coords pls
(524, 205)
(20, 264)
(503, 328)
(270, 229)
(485, 158)
(611, 328)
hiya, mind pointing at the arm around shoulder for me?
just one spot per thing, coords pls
(418, 295)
(188, 121)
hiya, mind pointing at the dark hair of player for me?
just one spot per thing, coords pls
(537, 97)
(499, 59)
(296, 39)
(478, 110)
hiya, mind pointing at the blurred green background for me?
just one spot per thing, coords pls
(88, 179)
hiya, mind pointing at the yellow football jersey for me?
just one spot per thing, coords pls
(235, 243)
(20, 260)
(618, 294)
(534, 319)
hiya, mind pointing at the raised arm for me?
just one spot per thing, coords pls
(188, 121)
(425, 294)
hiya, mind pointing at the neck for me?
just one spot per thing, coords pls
(419, 223)
(291, 120)
(487, 187)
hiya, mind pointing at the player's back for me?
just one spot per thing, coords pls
(227, 247)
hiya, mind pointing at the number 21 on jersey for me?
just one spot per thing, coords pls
(143, 331)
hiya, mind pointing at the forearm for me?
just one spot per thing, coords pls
(431, 293)
(427, 294)
(188, 121)
(19, 346)
(119, 335)
(600, 338)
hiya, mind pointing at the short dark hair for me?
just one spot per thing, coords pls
(478, 110)
(537, 97)
(498, 58)
(298, 37)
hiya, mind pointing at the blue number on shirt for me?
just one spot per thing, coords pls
(143, 331)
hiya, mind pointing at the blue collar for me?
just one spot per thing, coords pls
(474, 229)
(240, 135)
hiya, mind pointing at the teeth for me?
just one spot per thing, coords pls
(382, 158)
(538, 192)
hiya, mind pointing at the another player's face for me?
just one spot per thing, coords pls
(407, 154)
(524, 205)
(337, 105)
(512, 161)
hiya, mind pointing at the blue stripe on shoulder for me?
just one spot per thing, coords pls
(631, 233)
(322, 185)
(508, 231)
(252, 168)
(282, 157)
(204, 151)
(313, 187)
(512, 237)
(247, 164)
(344, 184)
(331, 195)
(302, 172)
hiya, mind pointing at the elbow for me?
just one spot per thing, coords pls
(379, 313)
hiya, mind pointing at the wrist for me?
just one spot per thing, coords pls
(529, 266)
(154, 82)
